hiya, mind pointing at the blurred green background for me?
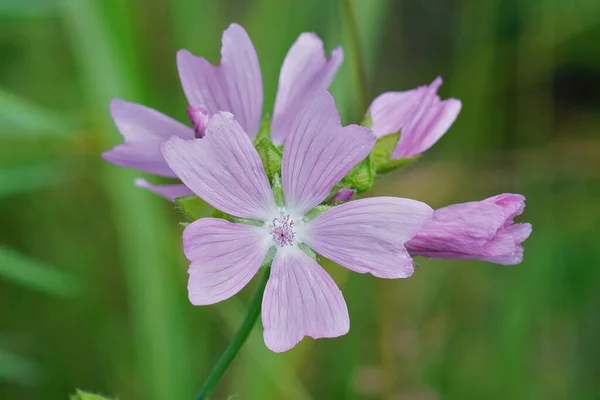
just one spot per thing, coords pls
(92, 277)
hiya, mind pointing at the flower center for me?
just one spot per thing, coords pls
(282, 230)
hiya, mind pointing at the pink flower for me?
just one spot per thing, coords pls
(482, 230)
(419, 113)
(366, 236)
(234, 86)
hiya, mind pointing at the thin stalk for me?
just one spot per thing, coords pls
(238, 341)
(357, 57)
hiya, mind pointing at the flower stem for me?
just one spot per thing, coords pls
(238, 341)
(357, 56)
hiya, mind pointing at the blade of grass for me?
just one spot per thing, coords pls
(16, 369)
(36, 275)
(143, 228)
(30, 178)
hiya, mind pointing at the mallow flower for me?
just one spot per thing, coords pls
(419, 114)
(483, 230)
(367, 235)
(234, 86)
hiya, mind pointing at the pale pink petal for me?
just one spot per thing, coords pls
(429, 120)
(234, 86)
(168, 191)
(198, 116)
(368, 235)
(224, 257)
(301, 300)
(305, 72)
(482, 230)
(143, 129)
(319, 152)
(224, 169)
(391, 111)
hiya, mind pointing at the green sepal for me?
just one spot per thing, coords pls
(384, 147)
(308, 251)
(360, 178)
(192, 206)
(315, 212)
(278, 190)
(269, 257)
(367, 122)
(245, 221)
(395, 164)
(264, 131)
(81, 395)
(270, 156)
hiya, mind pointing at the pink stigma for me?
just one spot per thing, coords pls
(282, 230)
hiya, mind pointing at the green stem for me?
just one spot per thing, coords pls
(357, 57)
(238, 341)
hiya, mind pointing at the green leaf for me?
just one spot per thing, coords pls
(81, 395)
(265, 130)
(19, 370)
(36, 275)
(368, 121)
(270, 156)
(360, 178)
(382, 152)
(396, 163)
(192, 206)
(278, 191)
(318, 210)
(30, 178)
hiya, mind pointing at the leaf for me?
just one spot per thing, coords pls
(360, 178)
(16, 369)
(265, 130)
(270, 156)
(81, 395)
(36, 275)
(382, 152)
(18, 116)
(368, 121)
(278, 191)
(30, 178)
(193, 207)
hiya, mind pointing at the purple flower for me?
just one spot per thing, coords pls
(366, 236)
(419, 113)
(482, 230)
(234, 86)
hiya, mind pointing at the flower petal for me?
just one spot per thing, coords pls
(224, 169)
(224, 256)
(170, 192)
(234, 86)
(144, 129)
(319, 152)
(368, 235)
(431, 118)
(301, 300)
(391, 111)
(305, 72)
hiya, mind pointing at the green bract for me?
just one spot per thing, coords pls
(383, 150)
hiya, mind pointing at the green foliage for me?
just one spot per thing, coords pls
(194, 207)
(265, 130)
(36, 275)
(382, 151)
(367, 122)
(270, 156)
(81, 395)
(360, 178)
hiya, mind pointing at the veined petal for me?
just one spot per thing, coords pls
(224, 169)
(224, 257)
(368, 235)
(391, 111)
(305, 72)
(301, 300)
(143, 129)
(430, 119)
(319, 152)
(234, 86)
(170, 191)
